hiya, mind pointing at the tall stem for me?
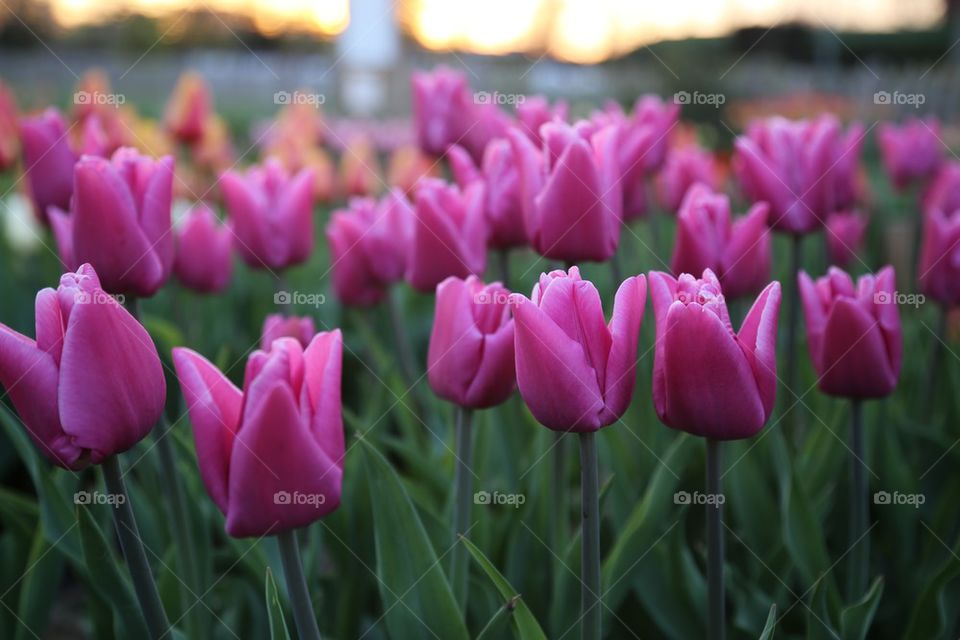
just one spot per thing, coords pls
(463, 481)
(590, 628)
(793, 320)
(504, 259)
(401, 339)
(303, 613)
(934, 362)
(716, 625)
(616, 271)
(132, 547)
(857, 506)
(558, 514)
(282, 294)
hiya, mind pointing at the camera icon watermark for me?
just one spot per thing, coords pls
(299, 97)
(698, 498)
(898, 98)
(886, 297)
(698, 98)
(98, 297)
(499, 498)
(98, 98)
(98, 497)
(287, 298)
(502, 99)
(297, 498)
(494, 297)
(896, 498)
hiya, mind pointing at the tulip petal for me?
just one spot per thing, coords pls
(758, 339)
(323, 360)
(61, 223)
(628, 307)
(855, 354)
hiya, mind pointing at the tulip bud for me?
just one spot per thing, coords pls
(845, 233)
(575, 371)
(277, 325)
(911, 152)
(189, 108)
(854, 334)
(500, 176)
(47, 161)
(708, 380)
(944, 191)
(536, 111)
(91, 385)
(440, 102)
(939, 266)
(204, 259)
(685, 167)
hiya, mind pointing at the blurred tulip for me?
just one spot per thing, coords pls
(845, 234)
(214, 150)
(369, 242)
(685, 167)
(805, 169)
(500, 176)
(271, 214)
(271, 456)
(204, 259)
(407, 166)
(91, 385)
(575, 371)
(470, 361)
(277, 325)
(854, 334)
(535, 111)
(47, 161)
(9, 134)
(570, 191)
(359, 169)
(944, 191)
(911, 152)
(441, 101)
(120, 221)
(189, 108)
(93, 140)
(449, 234)
(939, 266)
(484, 123)
(707, 238)
(707, 379)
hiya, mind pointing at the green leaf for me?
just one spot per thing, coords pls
(414, 591)
(278, 628)
(928, 619)
(524, 622)
(768, 628)
(804, 537)
(40, 580)
(855, 620)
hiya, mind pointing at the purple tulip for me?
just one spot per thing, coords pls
(944, 191)
(441, 102)
(277, 325)
(575, 371)
(204, 259)
(91, 385)
(536, 111)
(500, 177)
(845, 233)
(911, 152)
(48, 161)
(939, 265)
(854, 332)
(707, 379)
(685, 167)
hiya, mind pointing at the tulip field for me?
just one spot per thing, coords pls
(527, 370)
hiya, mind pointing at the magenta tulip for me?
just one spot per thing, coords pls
(470, 361)
(47, 161)
(271, 214)
(204, 259)
(911, 152)
(685, 167)
(845, 234)
(575, 371)
(500, 177)
(944, 191)
(91, 385)
(856, 344)
(369, 242)
(120, 221)
(9, 129)
(536, 111)
(707, 379)
(570, 191)
(277, 325)
(939, 266)
(441, 102)
(271, 456)
(707, 238)
(449, 234)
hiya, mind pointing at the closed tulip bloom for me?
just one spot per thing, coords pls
(189, 108)
(9, 133)
(271, 214)
(939, 266)
(911, 152)
(120, 221)
(270, 456)
(91, 384)
(470, 361)
(204, 259)
(707, 379)
(575, 371)
(944, 191)
(845, 234)
(277, 325)
(369, 242)
(685, 167)
(47, 161)
(359, 170)
(856, 344)
(570, 191)
(449, 234)
(500, 176)
(708, 238)
(483, 123)
(535, 111)
(441, 100)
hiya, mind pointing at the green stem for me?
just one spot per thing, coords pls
(793, 316)
(504, 259)
(303, 613)
(401, 340)
(132, 547)
(857, 506)
(463, 481)
(934, 362)
(590, 628)
(716, 624)
(558, 515)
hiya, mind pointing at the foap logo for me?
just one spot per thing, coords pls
(494, 297)
(912, 299)
(502, 99)
(896, 498)
(98, 98)
(287, 298)
(297, 498)
(299, 97)
(98, 297)
(898, 98)
(697, 98)
(98, 497)
(711, 499)
(499, 498)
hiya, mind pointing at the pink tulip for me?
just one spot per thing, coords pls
(9, 134)
(570, 191)
(277, 326)
(271, 214)
(120, 221)
(708, 380)
(271, 456)
(536, 111)
(204, 259)
(804, 169)
(449, 234)
(441, 101)
(484, 123)
(944, 191)
(470, 361)
(189, 108)
(845, 233)
(91, 385)
(911, 152)
(501, 179)
(685, 167)
(707, 238)
(854, 332)
(939, 266)
(47, 161)
(575, 371)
